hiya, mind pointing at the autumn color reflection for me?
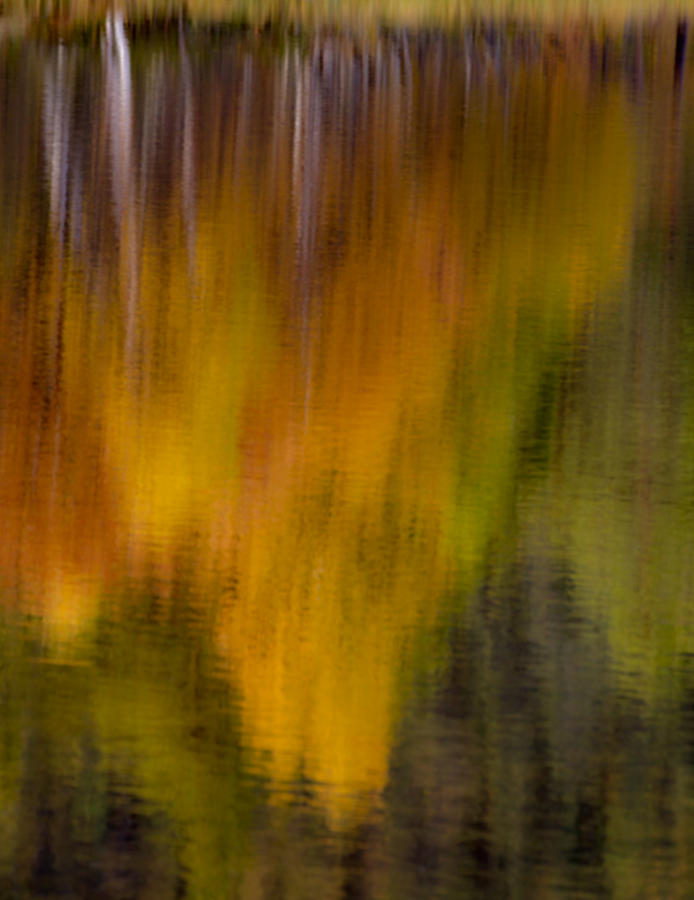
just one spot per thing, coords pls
(289, 314)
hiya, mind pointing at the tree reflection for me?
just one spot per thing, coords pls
(333, 444)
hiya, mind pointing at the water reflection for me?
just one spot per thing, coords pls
(345, 465)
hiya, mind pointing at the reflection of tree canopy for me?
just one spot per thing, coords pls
(297, 307)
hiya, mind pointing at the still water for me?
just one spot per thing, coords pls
(347, 464)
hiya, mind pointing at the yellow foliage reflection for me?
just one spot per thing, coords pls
(304, 336)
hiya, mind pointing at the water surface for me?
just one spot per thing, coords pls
(347, 463)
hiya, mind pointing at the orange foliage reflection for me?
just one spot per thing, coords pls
(297, 325)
